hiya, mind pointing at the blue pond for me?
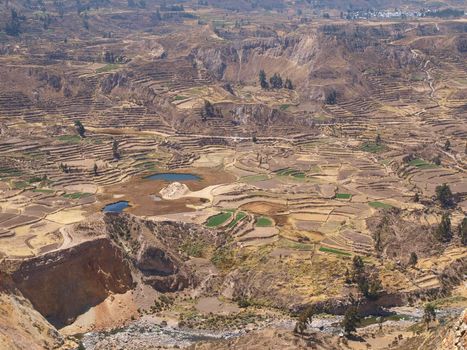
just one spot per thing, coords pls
(116, 207)
(173, 177)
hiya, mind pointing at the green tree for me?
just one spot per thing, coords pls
(304, 318)
(350, 321)
(413, 259)
(429, 314)
(115, 150)
(463, 231)
(95, 169)
(80, 128)
(13, 26)
(444, 195)
(443, 232)
(288, 84)
(331, 97)
(276, 81)
(447, 145)
(378, 139)
(416, 198)
(208, 110)
(262, 80)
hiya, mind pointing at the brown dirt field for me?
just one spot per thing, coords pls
(268, 209)
(138, 192)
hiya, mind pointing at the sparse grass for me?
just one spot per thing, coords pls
(254, 178)
(223, 258)
(218, 219)
(9, 172)
(284, 107)
(380, 205)
(76, 195)
(193, 248)
(107, 68)
(19, 185)
(422, 164)
(343, 195)
(333, 251)
(264, 221)
(372, 147)
(70, 138)
(180, 98)
(43, 190)
(285, 243)
(290, 172)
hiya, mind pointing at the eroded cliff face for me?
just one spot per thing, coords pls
(62, 285)
(21, 326)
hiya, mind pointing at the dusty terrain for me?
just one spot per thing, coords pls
(238, 206)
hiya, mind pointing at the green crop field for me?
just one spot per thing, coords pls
(218, 219)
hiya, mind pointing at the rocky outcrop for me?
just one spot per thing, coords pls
(62, 285)
(154, 249)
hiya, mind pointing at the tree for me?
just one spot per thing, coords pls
(115, 150)
(443, 232)
(416, 198)
(447, 145)
(413, 259)
(304, 318)
(331, 97)
(463, 231)
(429, 314)
(208, 110)
(288, 84)
(444, 195)
(378, 139)
(95, 169)
(358, 266)
(370, 285)
(437, 160)
(80, 129)
(276, 81)
(262, 80)
(350, 321)
(13, 26)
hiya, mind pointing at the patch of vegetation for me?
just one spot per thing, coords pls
(43, 190)
(76, 195)
(180, 98)
(239, 217)
(193, 248)
(107, 68)
(334, 251)
(218, 219)
(296, 245)
(422, 164)
(9, 172)
(290, 172)
(343, 195)
(264, 221)
(380, 205)
(284, 107)
(223, 258)
(254, 178)
(19, 185)
(372, 147)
